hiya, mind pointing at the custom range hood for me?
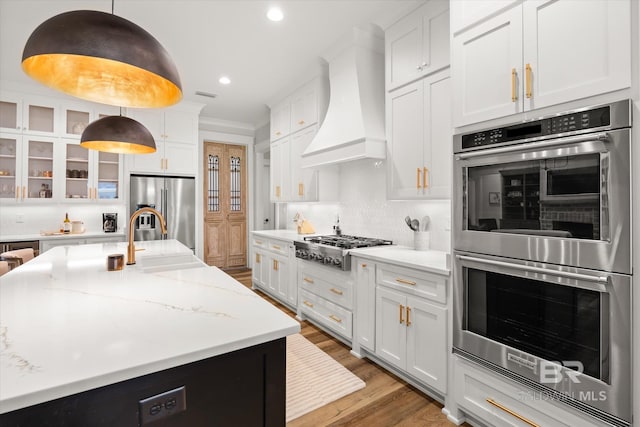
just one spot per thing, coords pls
(353, 127)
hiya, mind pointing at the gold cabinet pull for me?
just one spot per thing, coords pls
(276, 247)
(17, 192)
(335, 319)
(425, 183)
(528, 77)
(336, 291)
(24, 192)
(300, 189)
(401, 311)
(257, 257)
(510, 412)
(306, 279)
(364, 265)
(166, 164)
(275, 264)
(514, 77)
(301, 122)
(408, 316)
(278, 133)
(406, 282)
(277, 191)
(258, 242)
(418, 178)
(307, 303)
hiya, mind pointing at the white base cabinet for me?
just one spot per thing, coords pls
(411, 334)
(45, 245)
(273, 269)
(401, 318)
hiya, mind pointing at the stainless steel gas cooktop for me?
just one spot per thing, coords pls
(333, 250)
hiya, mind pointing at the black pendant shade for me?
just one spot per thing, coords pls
(118, 134)
(103, 58)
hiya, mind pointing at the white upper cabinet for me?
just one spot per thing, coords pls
(176, 136)
(419, 139)
(485, 69)
(418, 44)
(280, 120)
(574, 55)
(304, 108)
(465, 13)
(539, 53)
(299, 110)
(28, 114)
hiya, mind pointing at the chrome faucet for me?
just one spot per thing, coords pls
(131, 249)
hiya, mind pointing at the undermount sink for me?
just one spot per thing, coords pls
(167, 262)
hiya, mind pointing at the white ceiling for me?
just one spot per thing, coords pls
(210, 38)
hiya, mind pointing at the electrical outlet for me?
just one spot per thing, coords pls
(162, 405)
(19, 218)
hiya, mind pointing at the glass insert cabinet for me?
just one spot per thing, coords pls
(33, 168)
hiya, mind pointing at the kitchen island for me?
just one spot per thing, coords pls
(80, 345)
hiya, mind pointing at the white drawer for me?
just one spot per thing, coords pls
(279, 247)
(419, 283)
(500, 402)
(338, 293)
(327, 313)
(259, 242)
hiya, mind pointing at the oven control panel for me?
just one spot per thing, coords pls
(572, 122)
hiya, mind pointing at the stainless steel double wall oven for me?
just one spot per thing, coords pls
(542, 255)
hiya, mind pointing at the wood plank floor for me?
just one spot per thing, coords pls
(385, 401)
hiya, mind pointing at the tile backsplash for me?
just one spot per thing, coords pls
(32, 219)
(364, 209)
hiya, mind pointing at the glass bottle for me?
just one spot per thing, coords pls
(66, 225)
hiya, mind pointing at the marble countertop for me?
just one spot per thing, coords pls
(289, 235)
(432, 261)
(68, 325)
(87, 234)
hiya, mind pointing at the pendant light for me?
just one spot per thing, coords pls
(118, 134)
(103, 58)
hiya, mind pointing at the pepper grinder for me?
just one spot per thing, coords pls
(336, 228)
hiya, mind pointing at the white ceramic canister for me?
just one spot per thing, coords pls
(421, 240)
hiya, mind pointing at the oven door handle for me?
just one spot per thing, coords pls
(603, 280)
(603, 136)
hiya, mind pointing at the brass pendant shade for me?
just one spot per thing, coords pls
(103, 58)
(118, 134)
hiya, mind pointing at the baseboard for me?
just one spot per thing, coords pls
(450, 417)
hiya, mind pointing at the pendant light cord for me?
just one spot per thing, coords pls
(112, 3)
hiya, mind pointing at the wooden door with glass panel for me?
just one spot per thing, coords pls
(225, 205)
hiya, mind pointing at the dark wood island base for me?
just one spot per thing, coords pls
(242, 388)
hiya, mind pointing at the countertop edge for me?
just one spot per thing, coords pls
(377, 253)
(24, 401)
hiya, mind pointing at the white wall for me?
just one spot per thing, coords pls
(364, 209)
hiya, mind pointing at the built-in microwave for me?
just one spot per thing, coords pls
(554, 189)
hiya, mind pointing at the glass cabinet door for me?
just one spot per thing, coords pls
(10, 115)
(77, 172)
(108, 172)
(39, 169)
(9, 167)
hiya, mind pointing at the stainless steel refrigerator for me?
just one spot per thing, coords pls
(174, 197)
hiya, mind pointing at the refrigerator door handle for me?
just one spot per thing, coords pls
(163, 207)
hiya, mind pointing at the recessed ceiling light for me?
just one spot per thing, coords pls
(224, 80)
(275, 14)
